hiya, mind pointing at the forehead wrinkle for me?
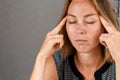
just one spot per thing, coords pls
(71, 15)
(81, 8)
(84, 17)
(92, 14)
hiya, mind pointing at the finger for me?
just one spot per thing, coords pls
(104, 37)
(103, 40)
(104, 43)
(108, 25)
(59, 26)
(58, 36)
(61, 44)
(57, 43)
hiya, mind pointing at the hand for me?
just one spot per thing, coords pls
(111, 40)
(52, 41)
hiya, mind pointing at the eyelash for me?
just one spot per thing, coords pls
(72, 22)
(92, 22)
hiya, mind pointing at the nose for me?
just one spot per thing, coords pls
(80, 29)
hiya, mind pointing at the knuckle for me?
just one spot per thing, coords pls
(50, 41)
(61, 35)
(48, 34)
(109, 39)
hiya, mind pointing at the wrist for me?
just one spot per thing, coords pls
(41, 57)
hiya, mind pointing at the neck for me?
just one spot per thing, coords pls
(92, 60)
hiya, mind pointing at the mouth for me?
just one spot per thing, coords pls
(81, 41)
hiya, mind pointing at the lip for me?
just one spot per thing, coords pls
(81, 41)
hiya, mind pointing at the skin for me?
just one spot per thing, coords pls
(111, 40)
(83, 21)
(88, 57)
(45, 68)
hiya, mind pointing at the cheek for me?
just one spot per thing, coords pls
(70, 31)
(96, 32)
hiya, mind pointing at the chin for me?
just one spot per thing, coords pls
(82, 49)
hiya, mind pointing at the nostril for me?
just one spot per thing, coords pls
(81, 31)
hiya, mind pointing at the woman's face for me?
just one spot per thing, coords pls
(83, 26)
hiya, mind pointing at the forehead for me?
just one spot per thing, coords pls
(80, 8)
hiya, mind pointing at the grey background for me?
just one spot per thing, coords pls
(23, 26)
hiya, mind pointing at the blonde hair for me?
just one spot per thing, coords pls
(104, 9)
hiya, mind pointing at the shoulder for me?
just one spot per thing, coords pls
(63, 66)
(111, 69)
(110, 73)
(58, 57)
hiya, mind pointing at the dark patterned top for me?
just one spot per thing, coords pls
(67, 70)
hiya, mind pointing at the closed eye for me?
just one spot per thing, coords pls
(72, 22)
(90, 22)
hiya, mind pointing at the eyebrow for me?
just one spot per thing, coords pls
(84, 16)
(71, 15)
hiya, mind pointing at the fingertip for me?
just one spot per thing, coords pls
(101, 19)
(61, 45)
(65, 18)
(102, 42)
